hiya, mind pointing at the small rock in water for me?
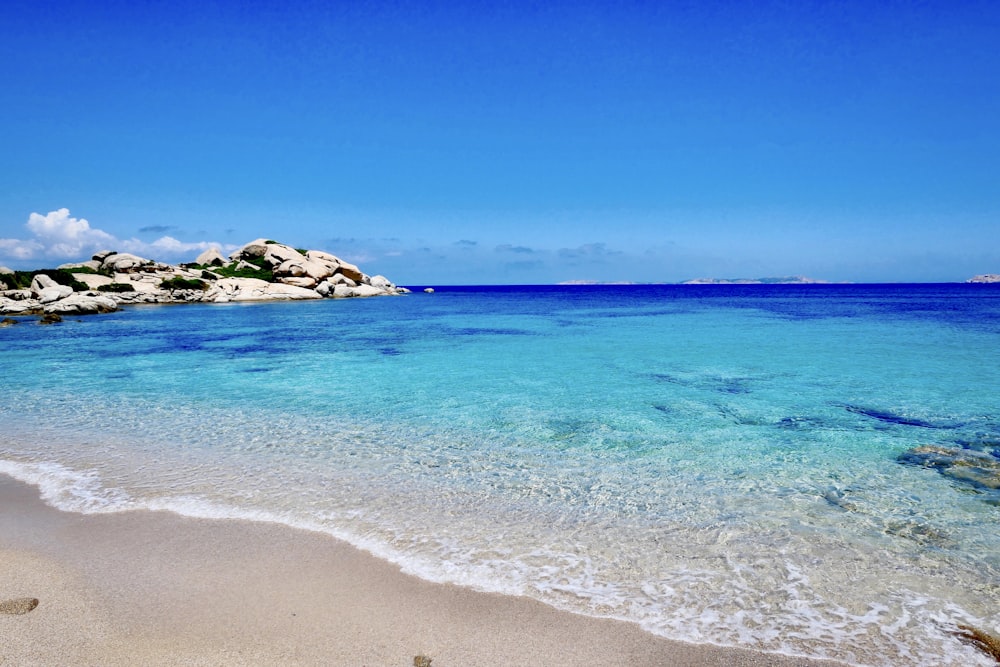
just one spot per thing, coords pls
(970, 466)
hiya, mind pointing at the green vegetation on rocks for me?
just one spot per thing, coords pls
(177, 282)
(22, 279)
(261, 272)
(116, 287)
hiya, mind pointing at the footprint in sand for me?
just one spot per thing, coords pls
(18, 605)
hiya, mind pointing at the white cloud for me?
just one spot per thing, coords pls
(167, 245)
(58, 235)
(18, 249)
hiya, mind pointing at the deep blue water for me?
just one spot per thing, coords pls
(716, 463)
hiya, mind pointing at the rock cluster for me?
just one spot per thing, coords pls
(976, 465)
(985, 278)
(261, 270)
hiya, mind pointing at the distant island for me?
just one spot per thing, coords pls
(262, 270)
(783, 280)
(985, 278)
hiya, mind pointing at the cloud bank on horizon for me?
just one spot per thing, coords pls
(59, 236)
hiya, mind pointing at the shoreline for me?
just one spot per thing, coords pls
(156, 588)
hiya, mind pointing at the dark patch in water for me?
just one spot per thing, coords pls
(734, 386)
(724, 385)
(254, 370)
(797, 422)
(738, 417)
(665, 409)
(892, 418)
(486, 331)
(390, 351)
(921, 533)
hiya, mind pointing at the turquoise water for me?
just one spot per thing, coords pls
(715, 463)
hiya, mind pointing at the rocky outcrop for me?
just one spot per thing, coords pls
(261, 270)
(81, 303)
(253, 289)
(985, 278)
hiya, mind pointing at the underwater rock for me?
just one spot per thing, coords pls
(892, 418)
(968, 466)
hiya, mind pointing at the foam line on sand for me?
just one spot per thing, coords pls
(154, 588)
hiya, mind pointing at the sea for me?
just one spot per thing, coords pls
(723, 464)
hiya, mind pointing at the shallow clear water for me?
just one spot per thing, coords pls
(716, 463)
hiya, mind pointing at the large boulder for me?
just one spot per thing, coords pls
(18, 306)
(251, 250)
(41, 282)
(300, 266)
(54, 293)
(298, 281)
(125, 263)
(254, 289)
(343, 291)
(320, 256)
(47, 290)
(381, 282)
(82, 303)
(279, 253)
(211, 257)
(351, 271)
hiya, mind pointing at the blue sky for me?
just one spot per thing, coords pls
(509, 142)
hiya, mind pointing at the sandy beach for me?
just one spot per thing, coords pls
(158, 589)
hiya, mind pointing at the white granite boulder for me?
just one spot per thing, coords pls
(351, 271)
(303, 267)
(19, 306)
(125, 263)
(211, 257)
(381, 282)
(251, 250)
(82, 303)
(47, 290)
(343, 291)
(254, 289)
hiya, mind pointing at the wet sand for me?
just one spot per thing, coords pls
(154, 588)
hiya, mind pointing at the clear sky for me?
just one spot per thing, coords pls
(509, 142)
